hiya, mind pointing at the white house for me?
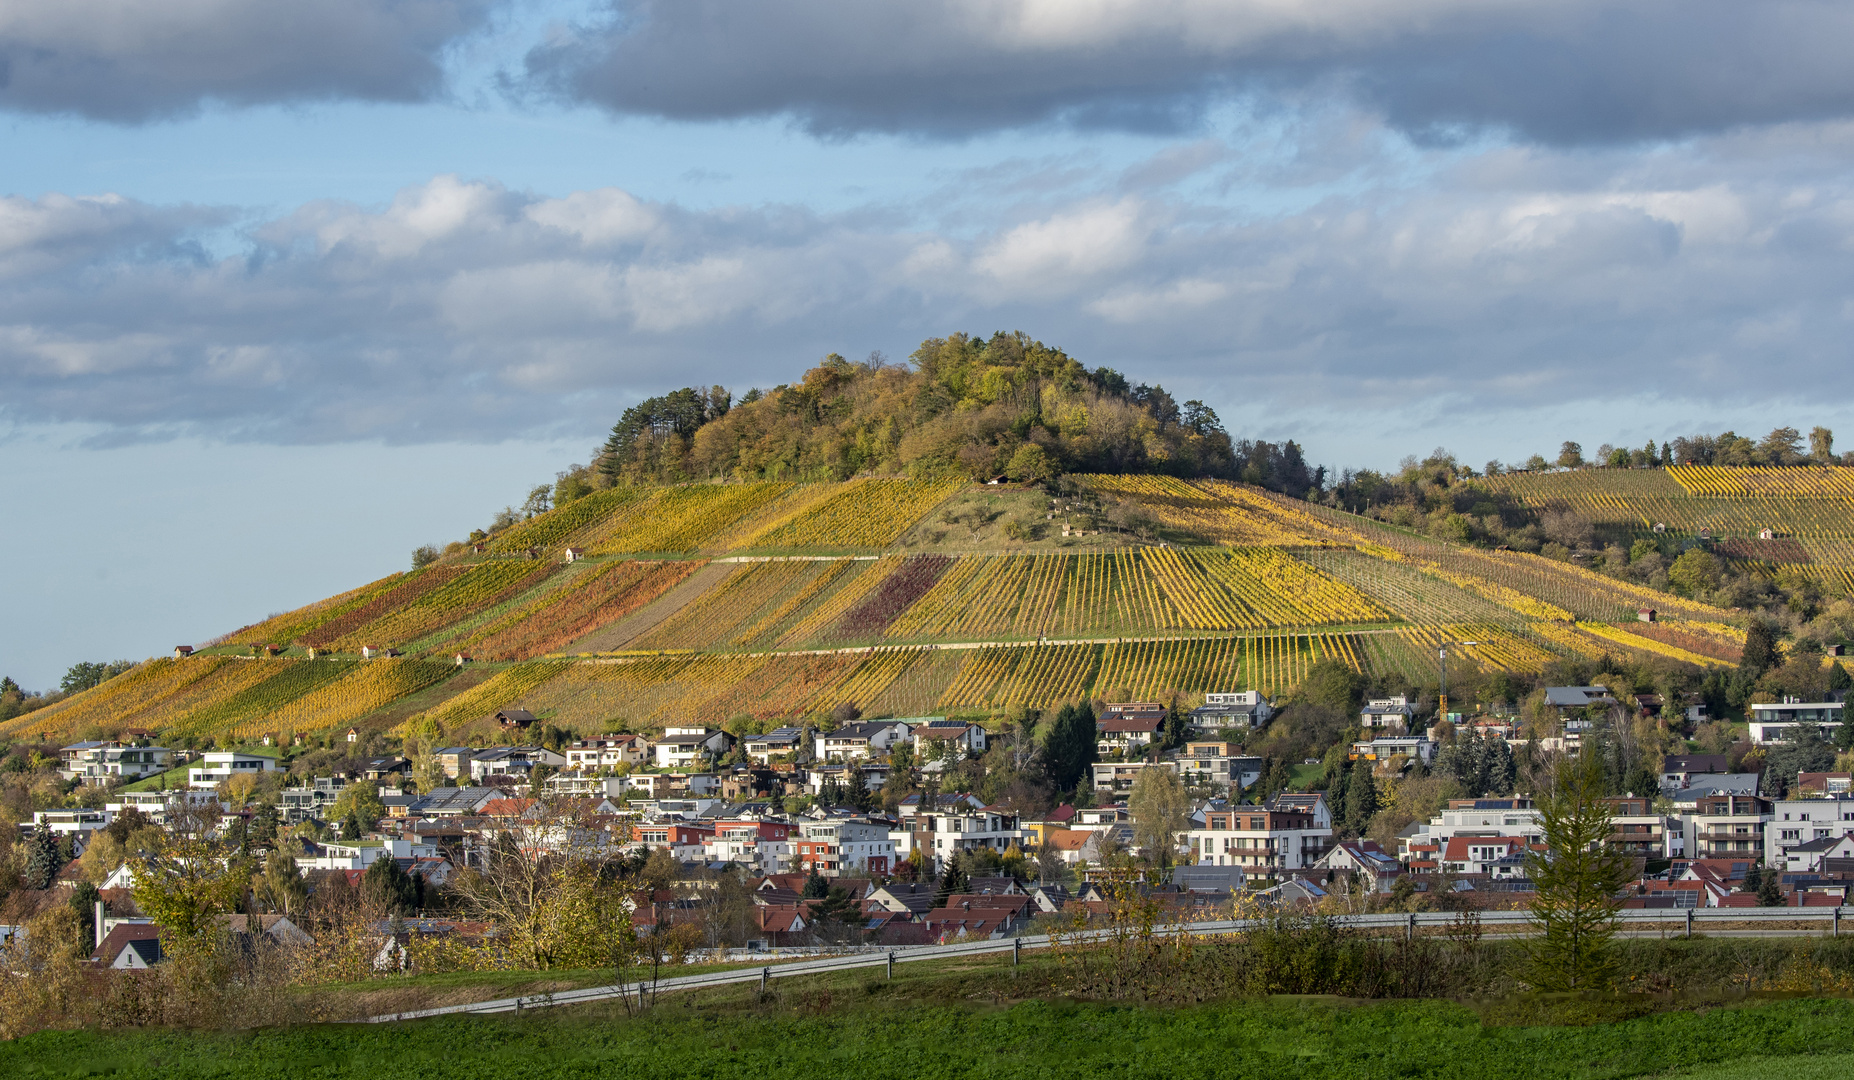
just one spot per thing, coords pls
(1774, 722)
(113, 762)
(861, 739)
(685, 747)
(218, 766)
(360, 854)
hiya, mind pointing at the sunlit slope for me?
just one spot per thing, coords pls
(780, 600)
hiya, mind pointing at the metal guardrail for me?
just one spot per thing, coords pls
(876, 956)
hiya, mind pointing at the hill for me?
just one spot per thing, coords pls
(775, 600)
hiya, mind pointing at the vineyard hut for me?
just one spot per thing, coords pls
(353, 734)
(1766, 534)
(574, 554)
(461, 659)
(1645, 615)
(273, 650)
(182, 651)
(520, 719)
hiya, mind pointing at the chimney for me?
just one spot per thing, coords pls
(967, 904)
(99, 924)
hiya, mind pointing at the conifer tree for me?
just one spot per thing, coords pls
(43, 860)
(1577, 880)
(1770, 889)
(1361, 798)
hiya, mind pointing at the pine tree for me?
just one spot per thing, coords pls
(952, 883)
(1754, 879)
(815, 885)
(1070, 746)
(43, 860)
(1760, 653)
(856, 793)
(1502, 770)
(1577, 881)
(1361, 799)
(1770, 889)
(388, 885)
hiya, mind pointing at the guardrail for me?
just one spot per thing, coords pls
(877, 956)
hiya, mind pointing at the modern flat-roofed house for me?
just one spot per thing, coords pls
(1235, 713)
(1263, 840)
(1387, 714)
(1776, 722)
(218, 766)
(113, 762)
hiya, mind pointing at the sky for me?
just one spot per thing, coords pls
(288, 290)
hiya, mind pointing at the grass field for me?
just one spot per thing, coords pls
(863, 1026)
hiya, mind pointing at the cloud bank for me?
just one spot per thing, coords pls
(130, 61)
(464, 310)
(1564, 72)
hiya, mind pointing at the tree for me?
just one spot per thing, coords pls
(1760, 652)
(85, 674)
(43, 860)
(838, 918)
(1158, 804)
(1754, 879)
(389, 886)
(815, 885)
(1069, 749)
(1570, 455)
(1696, 571)
(424, 555)
(1030, 462)
(953, 882)
(1822, 445)
(1770, 889)
(1333, 683)
(856, 792)
(359, 804)
(185, 887)
(280, 887)
(1361, 798)
(1577, 879)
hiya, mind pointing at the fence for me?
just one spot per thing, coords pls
(1684, 921)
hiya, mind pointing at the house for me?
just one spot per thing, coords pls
(911, 898)
(308, 800)
(784, 740)
(158, 806)
(369, 652)
(455, 760)
(1206, 878)
(967, 922)
(1387, 714)
(104, 763)
(1306, 802)
(841, 848)
(859, 740)
(874, 776)
(218, 766)
(954, 823)
(1796, 822)
(1471, 817)
(181, 652)
(517, 719)
(129, 947)
(387, 769)
(939, 740)
(1727, 826)
(453, 802)
(77, 823)
(1637, 830)
(1773, 722)
(1813, 856)
(1385, 747)
(687, 747)
(1678, 770)
(1824, 785)
(1235, 713)
(1266, 840)
(782, 926)
(516, 762)
(1646, 614)
(1220, 764)
(1127, 727)
(1121, 775)
(607, 752)
(360, 854)
(574, 554)
(1568, 699)
(1480, 854)
(1363, 861)
(760, 845)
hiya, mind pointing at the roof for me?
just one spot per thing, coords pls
(1695, 763)
(1129, 723)
(1575, 697)
(121, 935)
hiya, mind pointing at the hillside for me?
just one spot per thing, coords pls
(776, 599)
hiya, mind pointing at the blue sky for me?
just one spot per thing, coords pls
(287, 291)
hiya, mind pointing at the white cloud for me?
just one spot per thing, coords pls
(464, 310)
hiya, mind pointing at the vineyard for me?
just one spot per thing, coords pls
(1243, 589)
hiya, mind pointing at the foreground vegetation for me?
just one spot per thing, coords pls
(863, 1029)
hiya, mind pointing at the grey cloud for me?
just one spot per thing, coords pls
(1575, 71)
(468, 311)
(132, 62)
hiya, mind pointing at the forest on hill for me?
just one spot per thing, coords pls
(962, 406)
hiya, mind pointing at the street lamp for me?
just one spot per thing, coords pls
(1442, 653)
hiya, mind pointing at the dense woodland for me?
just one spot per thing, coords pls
(962, 406)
